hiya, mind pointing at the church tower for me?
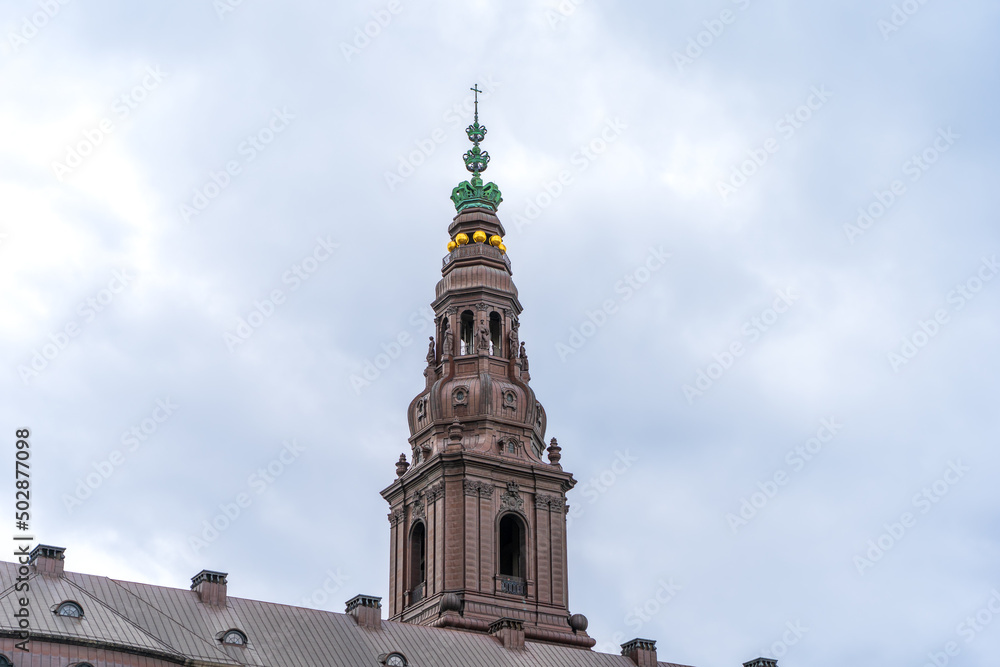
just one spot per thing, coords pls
(478, 517)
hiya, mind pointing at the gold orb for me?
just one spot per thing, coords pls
(479, 237)
(495, 241)
(462, 239)
(452, 245)
(502, 248)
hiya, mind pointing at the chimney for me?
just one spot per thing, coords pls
(366, 610)
(210, 587)
(47, 560)
(640, 651)
(509, 631)
(761, 662)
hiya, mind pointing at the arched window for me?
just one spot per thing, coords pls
(496, 347)
(468, 330)
(512, 546)
(5, 661)
(71, 609)
(418, 562)
(234, 638)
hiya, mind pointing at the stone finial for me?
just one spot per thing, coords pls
(455, 436)
(402, 466)
(554, 453)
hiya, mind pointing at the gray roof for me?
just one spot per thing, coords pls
(174, 624)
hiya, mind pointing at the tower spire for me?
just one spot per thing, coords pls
(478, 516)
(473, 193)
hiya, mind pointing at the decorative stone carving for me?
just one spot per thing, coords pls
(483, 337)
(402, 466)
(396, 516)
(417, 509)
(480, 489)
(549, 502)
(512, 345)
(433, 492)
(448, 348)
(511, 498)
(523, 356)
(431, 352)
(451, 310)
(460, 396)
(510, 400)
(482, 307)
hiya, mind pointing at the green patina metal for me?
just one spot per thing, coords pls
(473, 193)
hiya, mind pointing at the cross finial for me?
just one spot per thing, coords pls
(476, 90)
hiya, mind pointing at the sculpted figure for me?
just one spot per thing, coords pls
(483, 342)
(431, 355)
(512, 338)
(524, 358)
(449, 343)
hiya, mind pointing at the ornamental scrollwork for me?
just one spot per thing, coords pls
(511, 498)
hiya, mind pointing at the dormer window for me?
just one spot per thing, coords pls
(234, 638)
(395, 660)
(71, 609)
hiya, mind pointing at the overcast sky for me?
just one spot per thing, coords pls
(756, 244)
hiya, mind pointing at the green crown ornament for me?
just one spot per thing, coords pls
(473, 193)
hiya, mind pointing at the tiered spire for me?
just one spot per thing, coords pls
(472, 193)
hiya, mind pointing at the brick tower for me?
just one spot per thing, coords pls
(478, 519)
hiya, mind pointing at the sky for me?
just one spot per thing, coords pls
(755, 242)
